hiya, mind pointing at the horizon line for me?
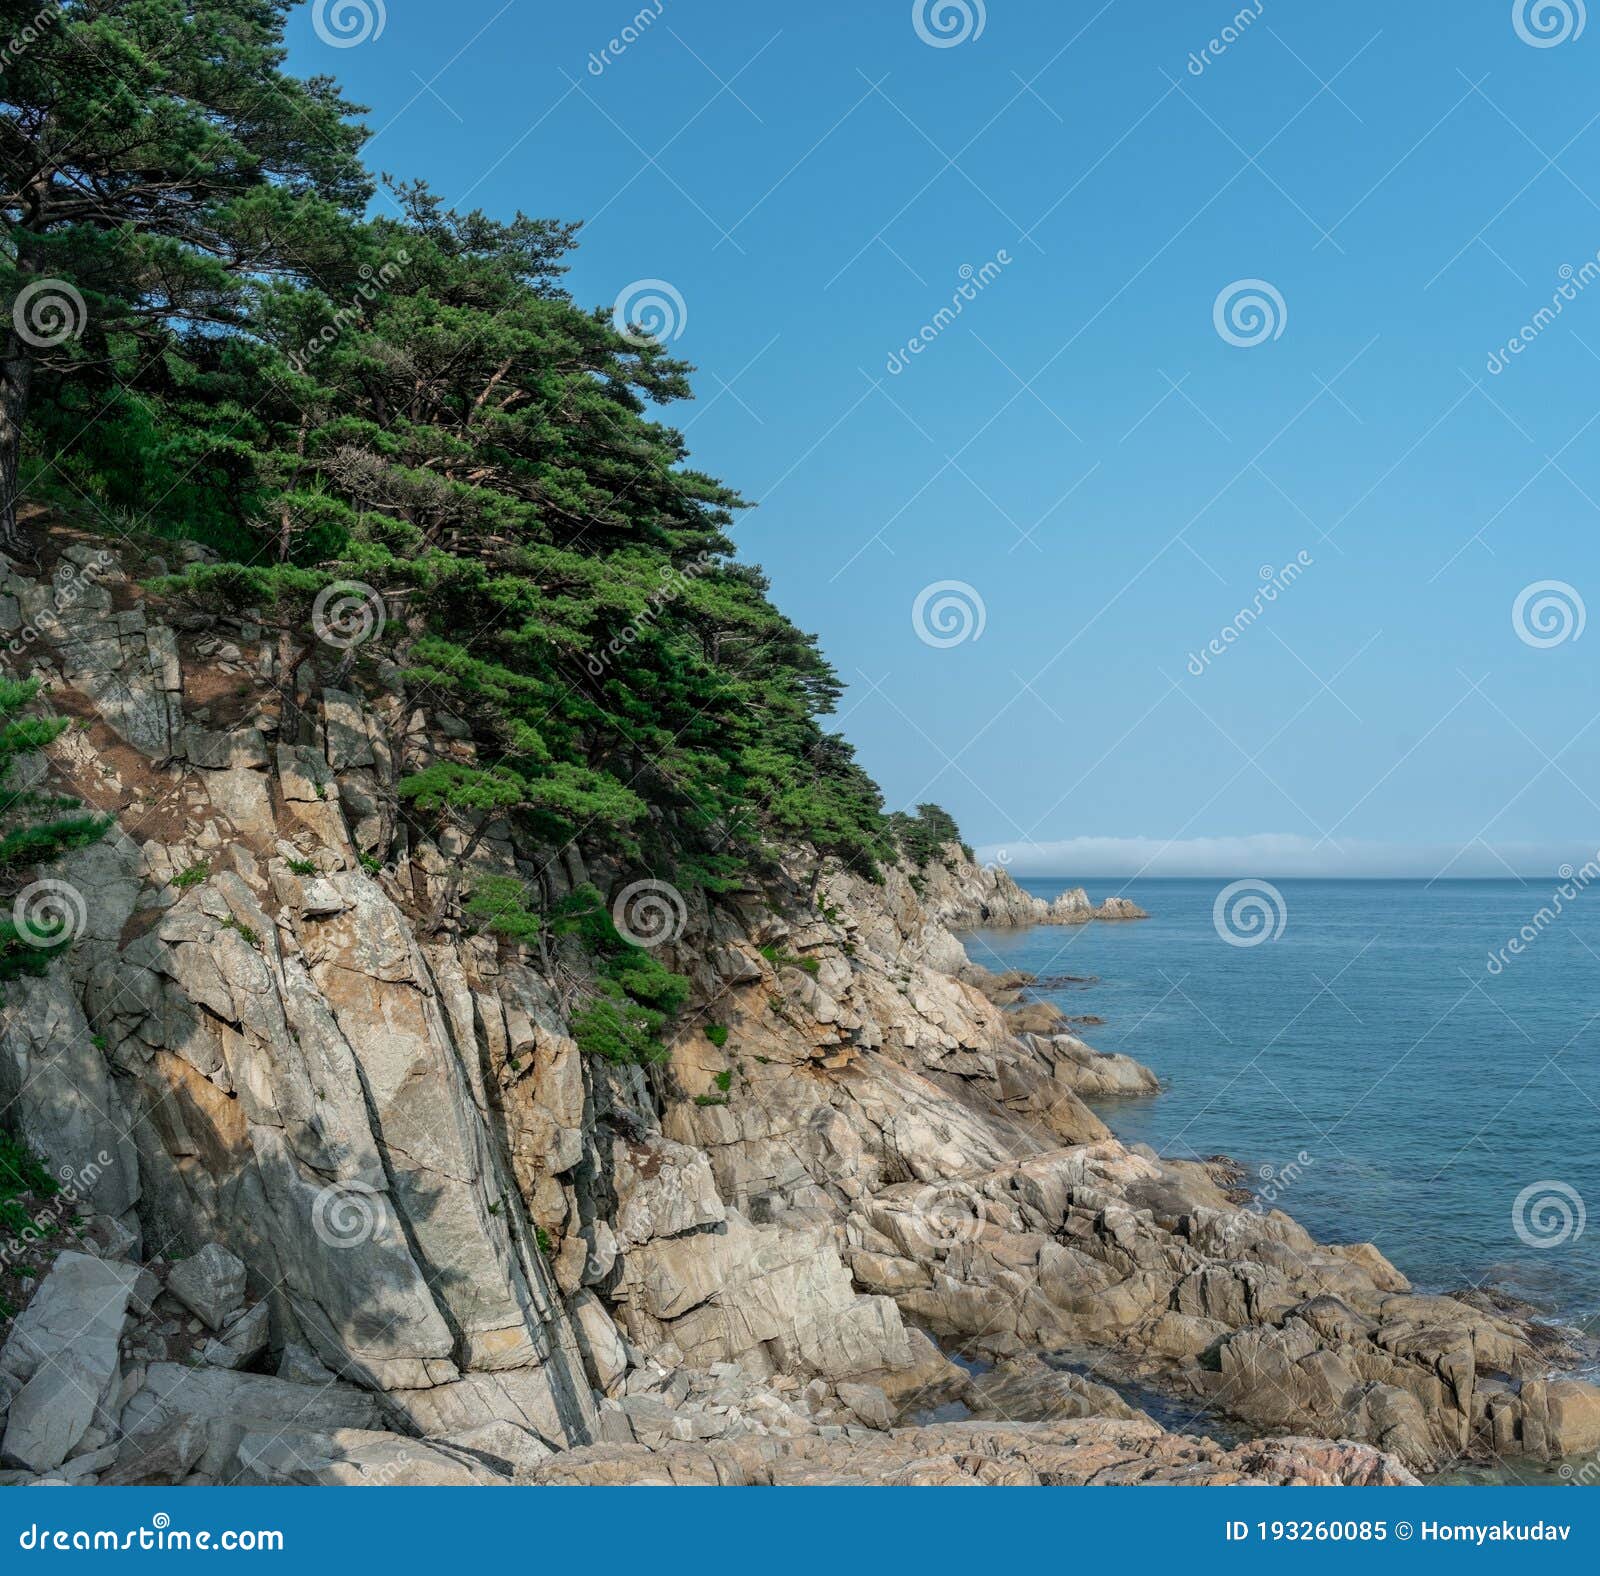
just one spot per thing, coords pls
(1289, 857)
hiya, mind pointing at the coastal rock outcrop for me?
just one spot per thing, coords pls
(364, 1212)
(961, 895)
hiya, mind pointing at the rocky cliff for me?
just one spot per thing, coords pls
(345, 1202)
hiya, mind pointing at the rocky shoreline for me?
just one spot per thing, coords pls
(964, 895)
(349, 1205)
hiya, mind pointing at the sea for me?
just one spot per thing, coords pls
(1411, 1064)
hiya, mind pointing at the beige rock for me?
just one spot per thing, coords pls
(356, 1458)
(381, 1128)
(1073, 1453)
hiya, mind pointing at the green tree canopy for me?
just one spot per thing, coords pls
(434, 417)
(154, 159)
(408, 402)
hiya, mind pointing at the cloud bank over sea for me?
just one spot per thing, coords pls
(1270, 854)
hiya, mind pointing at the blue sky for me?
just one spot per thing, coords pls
(1081, 450)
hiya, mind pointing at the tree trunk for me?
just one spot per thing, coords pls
(16, 388)
(16, 383)
(285, 514)
(292, 718)
(16, 367)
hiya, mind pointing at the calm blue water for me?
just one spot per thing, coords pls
(1427, 1092)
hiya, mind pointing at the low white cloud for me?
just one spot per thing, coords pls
(1269, 854)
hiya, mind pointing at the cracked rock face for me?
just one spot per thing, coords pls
(365, 1213)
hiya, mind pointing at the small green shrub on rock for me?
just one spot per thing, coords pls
(21, 1171)
(634, 994)
(35, 828)
(780, 959)
(499, 904)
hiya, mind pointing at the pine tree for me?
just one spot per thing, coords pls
(926, 834)
(153, 158)
(469, 441)
(413, 403)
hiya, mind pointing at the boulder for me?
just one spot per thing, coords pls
(51, 1414)
(62, 1360)
(356, 1458)
(210, 1284)
(534, 1399)
(505, 1449)
(605, 1356)
(299, 1365)
(1120, 908)
(226, 1406)
(163, 1454)
(242, 1339)
(868, 1402)
(222, 751)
